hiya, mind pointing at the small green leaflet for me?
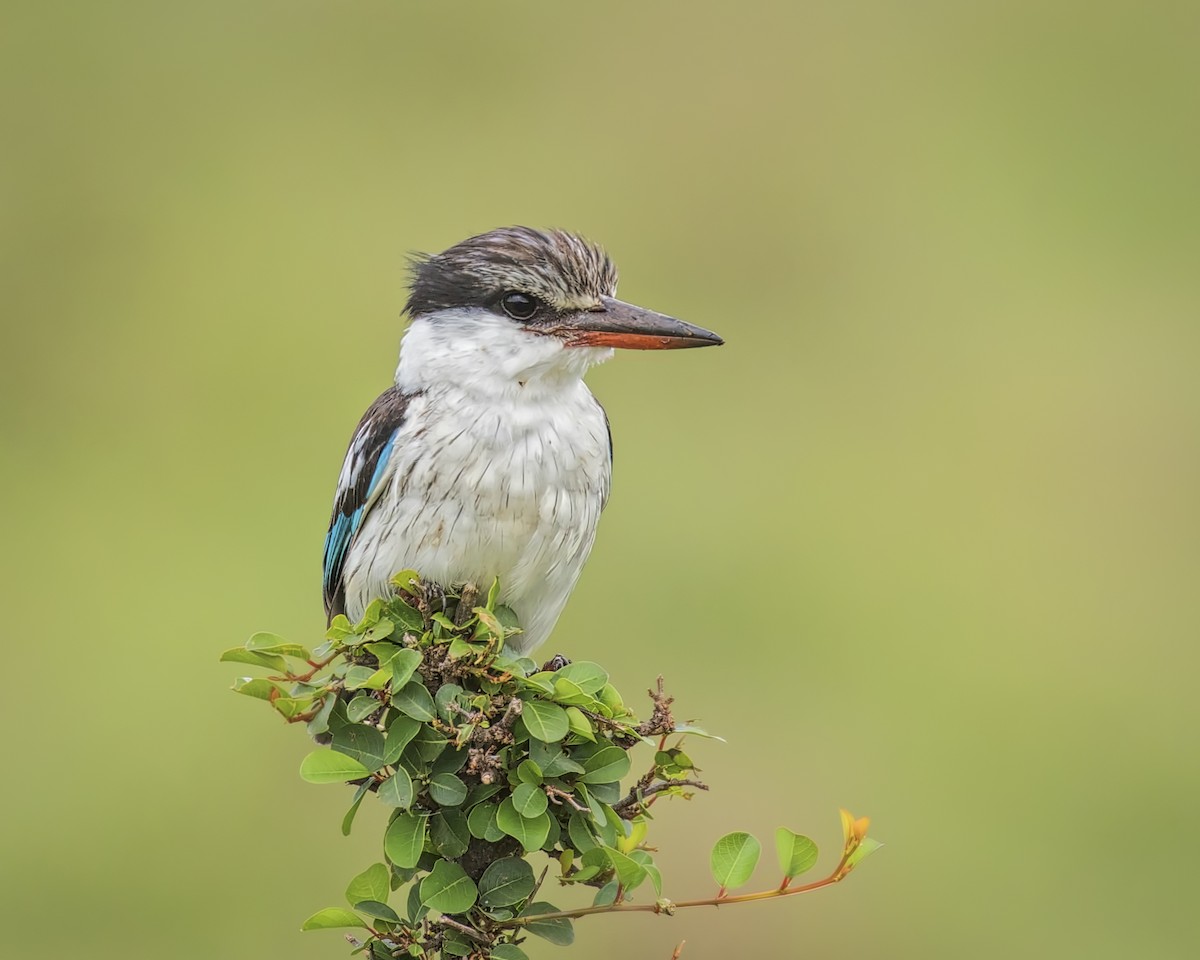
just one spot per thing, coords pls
(629, 871)
(590, 677)
(605, 765)
(545, 721)
(414, 700)
(397, 790)
(733, 859)
(531, 834)
(242, 655)
(401, 731)
(796, 853)
(378, 910)
(372, 884)
(557, 931)
(348, 819)
(506, 882)
(331, 918)
(329, 766)
(405, 839)
(530, 800)
(256, 687)
(269, 643)
(866, 847)
(446, 790)
(448, 889)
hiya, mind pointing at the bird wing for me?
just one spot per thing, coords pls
(359, 486)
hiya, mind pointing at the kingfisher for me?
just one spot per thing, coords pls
(489, 458)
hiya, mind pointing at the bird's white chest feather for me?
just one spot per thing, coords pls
(511, 488)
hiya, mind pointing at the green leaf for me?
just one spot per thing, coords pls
(506, 882)
(565, 691)
(580, 725)
(529, 772)
(489, 622)
(446, 790)
(380, 630)
(647, 862)
(403, 662)
(397, 790)
(482, 792)
(588, 676)
(460, 648)
(581, 837)
(404, 614)
(556, 763)
(372, 884)
(605, 765)
(405, 839)
(320, 723)
(291, 706)
(531, 833)
(378, 910)
(606, 792)
(400, 732)
(359, 676)
(481, 821)
(796, 853)
(529, 800)
(269, 643)
(256, 687)
(447, 693)
(414, 700)
(428, 744)
(451, 761)
(331, 918)
(629, 871)
(545, 721)
(508, 951)
(733, 859)
(542, 682)
(242, 655)
(696, 732)
(339, 629)
(557, 931)
(364, 743)
(448, 889)
(866, 847)
(449, 833)
(329, 766)
(348, 819)
(361, 707)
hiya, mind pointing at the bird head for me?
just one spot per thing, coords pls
(521, 304)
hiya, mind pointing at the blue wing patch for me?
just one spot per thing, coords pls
(359, 486)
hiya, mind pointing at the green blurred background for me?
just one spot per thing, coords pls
(921, 540)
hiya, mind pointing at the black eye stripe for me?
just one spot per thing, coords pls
(520, 306)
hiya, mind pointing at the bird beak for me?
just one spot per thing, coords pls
(615, 323)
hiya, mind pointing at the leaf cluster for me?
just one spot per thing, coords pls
(482, 759)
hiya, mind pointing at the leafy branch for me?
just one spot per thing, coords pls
(484, 759)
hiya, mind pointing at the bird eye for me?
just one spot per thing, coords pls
(519, 306)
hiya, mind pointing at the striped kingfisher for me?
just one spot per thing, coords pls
(489, 457)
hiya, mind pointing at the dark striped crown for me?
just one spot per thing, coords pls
(562, 269)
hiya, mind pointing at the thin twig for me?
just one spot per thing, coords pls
(560, 796)
(669, 907)
(630, 806)
(463, 928)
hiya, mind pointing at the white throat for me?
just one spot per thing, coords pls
(489, 357)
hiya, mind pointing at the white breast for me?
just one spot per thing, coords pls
(509, 485)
